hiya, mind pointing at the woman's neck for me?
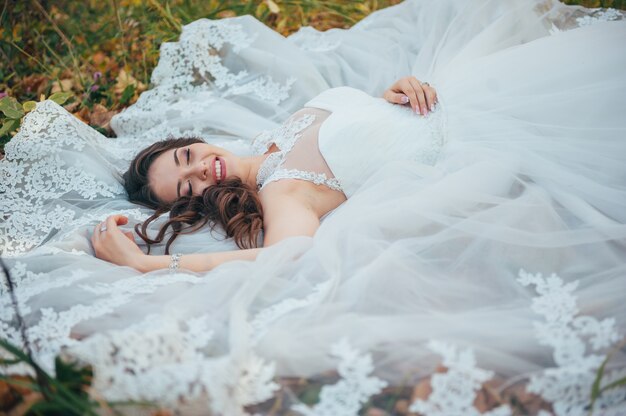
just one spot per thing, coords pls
(252, 166)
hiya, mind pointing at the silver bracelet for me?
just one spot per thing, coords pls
(174, 263)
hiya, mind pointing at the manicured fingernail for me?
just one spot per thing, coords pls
(404, 99)
(417, 111)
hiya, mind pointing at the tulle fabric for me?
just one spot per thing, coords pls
(531, 177)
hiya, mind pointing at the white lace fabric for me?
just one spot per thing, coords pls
(37, 177)
(421, 264)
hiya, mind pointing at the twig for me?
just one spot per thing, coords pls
(45, 68)
(49, 48)
(123, 37)
(168, 16)
(39, 376)
(64, 38)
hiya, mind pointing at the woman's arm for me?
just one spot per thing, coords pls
(115, 246)
(284, 217)
(198, 262)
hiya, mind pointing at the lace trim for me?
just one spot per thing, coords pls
(454, 392)
(52, 331)
(285, 137)
(567, 386)
(165, 361)
(316, 178)
(354, 389)
(196, 64)
(571, 18)
(269, 165)
(310, 39)
(607, 15)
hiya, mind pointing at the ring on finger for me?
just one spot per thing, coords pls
(103, 228)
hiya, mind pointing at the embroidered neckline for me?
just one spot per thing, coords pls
(285, 137)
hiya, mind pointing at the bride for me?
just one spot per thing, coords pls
(197, 182)
(487, 236)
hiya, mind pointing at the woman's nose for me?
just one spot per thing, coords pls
(201, 170)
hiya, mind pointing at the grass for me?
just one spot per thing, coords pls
(102, 52)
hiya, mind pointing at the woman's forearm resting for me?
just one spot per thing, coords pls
(198, 262)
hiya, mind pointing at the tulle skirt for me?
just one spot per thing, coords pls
(512, 247)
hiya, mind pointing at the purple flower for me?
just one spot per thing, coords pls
(97, 75)
(3, 94)
(94, 88)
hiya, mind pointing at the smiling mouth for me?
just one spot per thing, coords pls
(219, 170)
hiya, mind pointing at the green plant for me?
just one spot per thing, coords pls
(66, 393)
(596, 388)
(13, 112)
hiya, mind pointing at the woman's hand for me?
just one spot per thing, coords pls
(115, 246)
(409, 90)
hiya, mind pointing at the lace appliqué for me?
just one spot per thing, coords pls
(166, 361)
(50, 330)
(437, 133)
(310, 39)
(316, 178)
(285, 137)
(569, 18)
(90, 219)
(35, 172)
(454, 392)
(568, 385)
(195, 64)
(346, 397)
(598, 16)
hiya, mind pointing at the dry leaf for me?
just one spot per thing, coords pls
(22, 390)
(487, 397)
(98, 58)
(64, 85)
(124, 79)
(101, 117)
(375, 411)
(402, 407)
(162, 413)
(226, 13)
(82, 115)
(422, 390)
(35, 84)
(27, 402)
(272, 6)
(72, 107)
(528, 403)
(7, 398)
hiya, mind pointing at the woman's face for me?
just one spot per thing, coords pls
(189, 170)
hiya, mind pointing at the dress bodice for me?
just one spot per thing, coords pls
(298, 155)
(343, 136)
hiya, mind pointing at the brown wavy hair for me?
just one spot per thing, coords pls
(232, 204)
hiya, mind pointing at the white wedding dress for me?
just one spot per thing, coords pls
(488, 237)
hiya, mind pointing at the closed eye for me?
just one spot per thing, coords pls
(188, 160)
